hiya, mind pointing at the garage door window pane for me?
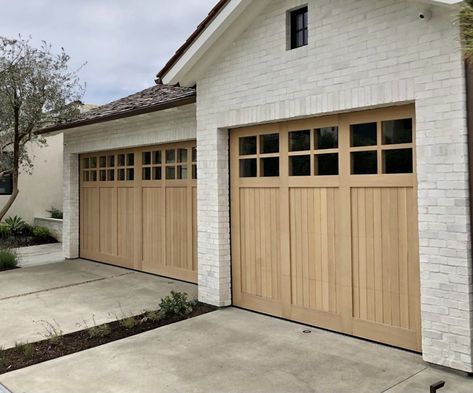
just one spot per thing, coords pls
(146, 173)
(157, 157)
(111, 175)
(248, 168)
(111, 161)
(130, 174)
(170, 173)
(194, 154)
(326, 138)
(93, 162)
(121, 160)
(121, 175)
(269, 144)
(299, 166)
(93, 176)
(170, 156)
(194, 172)
(299, 140)
(103, 162)
(131, 159)
(147, 158)
(270, 167)
(85, 176)
(157, 174)
(248, 146)
(326, 165)
(182, 155)
(103, 175)
(364, 163)
(182, 172)
(398, 161)
(397, 132)
(364, 135)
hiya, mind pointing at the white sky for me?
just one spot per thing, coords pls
(124, 42)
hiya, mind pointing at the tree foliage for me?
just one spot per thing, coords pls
(37, 89)
(466, 25)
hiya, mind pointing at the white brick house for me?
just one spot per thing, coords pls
(357, 63)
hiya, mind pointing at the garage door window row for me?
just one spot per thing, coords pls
(375, 148)
(156, 165)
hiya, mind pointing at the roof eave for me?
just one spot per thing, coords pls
(121, 115)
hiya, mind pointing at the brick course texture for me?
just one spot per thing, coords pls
(361, 54)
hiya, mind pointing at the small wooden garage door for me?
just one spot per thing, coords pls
(324, 223)
(138, 209)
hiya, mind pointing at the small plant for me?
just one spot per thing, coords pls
(40, 232)
(176, 304)
(16, 225)
(8, 259)
(128, 323)
(26, 349)
(100, 331)
(55, 213)
(153, 315)
(53, 332)
(5, 232)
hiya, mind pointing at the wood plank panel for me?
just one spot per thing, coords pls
(177, 239)
(260, 229)
(126, 223)
(108, 221)
(380, 279)
(313, 248)
(154, 245)
(90, 219)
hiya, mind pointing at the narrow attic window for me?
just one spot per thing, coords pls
(299, 27)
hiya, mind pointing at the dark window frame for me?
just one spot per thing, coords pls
(299, 37)
(10, 179)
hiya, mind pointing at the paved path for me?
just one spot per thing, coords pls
(234, 351)
(70, 295)
(40, 255)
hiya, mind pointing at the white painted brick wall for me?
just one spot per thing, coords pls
(172, 125)
(362, 54)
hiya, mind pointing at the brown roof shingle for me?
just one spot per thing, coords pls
(155, 98)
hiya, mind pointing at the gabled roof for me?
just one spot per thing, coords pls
(153, 99)
(211, 17)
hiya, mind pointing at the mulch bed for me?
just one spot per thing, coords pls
(5, 269)
(25, 241)
(14, 359)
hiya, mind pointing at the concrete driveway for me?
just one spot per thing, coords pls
(239, 352)
(71, 294)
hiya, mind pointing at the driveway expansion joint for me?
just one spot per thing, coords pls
(65, 286)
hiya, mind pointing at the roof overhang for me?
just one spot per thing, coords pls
(135, 112)
(182, 69)
(221, 21)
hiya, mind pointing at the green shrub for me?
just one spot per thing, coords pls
(5, 232)
(40, 232)
(27, 230)
(8, 259)
(55, 213)
(153, 315)
(176, 304)
(16, 225)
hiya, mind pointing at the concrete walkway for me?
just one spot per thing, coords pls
(72, 294)
(40, 255)
(239, 352)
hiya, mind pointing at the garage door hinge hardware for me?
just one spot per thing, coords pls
(436, 386)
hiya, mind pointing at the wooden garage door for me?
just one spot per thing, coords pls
(138, 209)
(324, 223)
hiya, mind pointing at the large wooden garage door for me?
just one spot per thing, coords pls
(324, 223)
(138, 209)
